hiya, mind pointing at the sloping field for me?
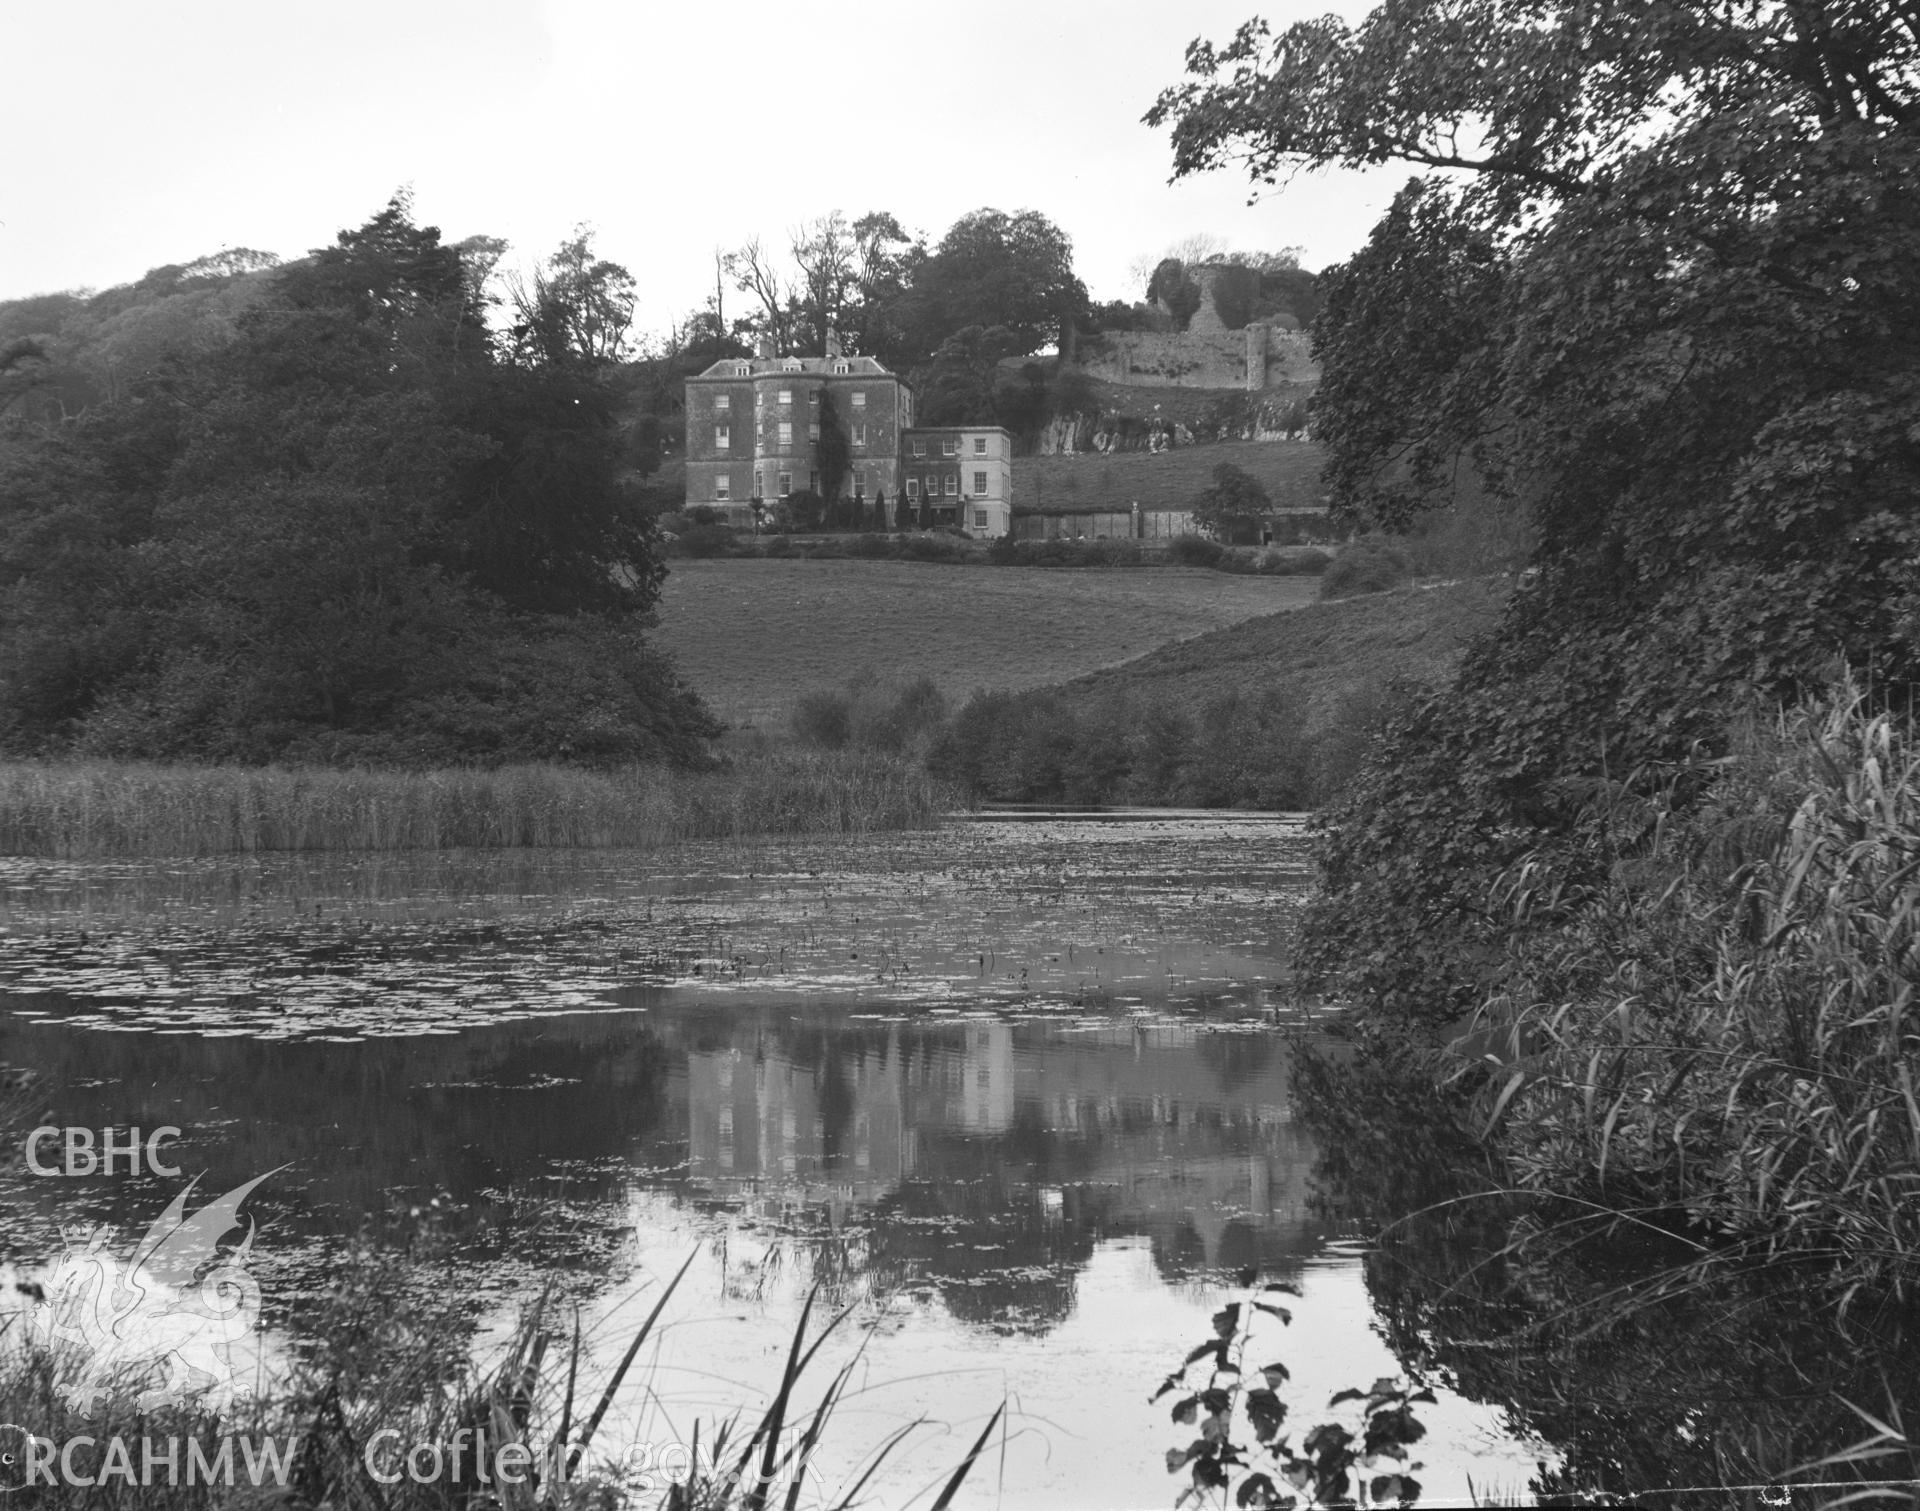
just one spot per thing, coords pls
(1288, 470)
(754, 635)
(1320, 656)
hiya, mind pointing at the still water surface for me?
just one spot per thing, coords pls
(1018, 1091)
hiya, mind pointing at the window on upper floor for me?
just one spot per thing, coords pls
(842, 367)
(786, 432)
(953, 484)
(786, 484)
(979, 482)
(949, 448)
(859, 482)
(722, 488)
(859, 398)
(913, 487)
(919, 447)
(722, 402)
(813, 431)
(859, 435)
(979, 519)
(791, 365)
(741, 370)
(979, 445)
(786, 396)
(722, 437)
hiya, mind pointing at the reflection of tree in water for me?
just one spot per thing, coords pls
(476, 1115)
(1645, 1369)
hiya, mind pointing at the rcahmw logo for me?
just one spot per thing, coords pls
(158, 1325)
(29, 1460)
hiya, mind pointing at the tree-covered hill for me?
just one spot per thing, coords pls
(322, 512)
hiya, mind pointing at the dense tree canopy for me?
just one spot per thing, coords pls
(1661, 298)
(348, 524)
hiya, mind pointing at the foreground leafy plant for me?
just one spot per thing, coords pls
(1322, 1472)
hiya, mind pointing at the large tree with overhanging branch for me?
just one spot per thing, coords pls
(1655, 286)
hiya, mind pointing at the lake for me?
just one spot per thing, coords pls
(1019, 1092)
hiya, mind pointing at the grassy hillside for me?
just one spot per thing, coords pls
(754, 635)
(1289, 470)
(1320, 656)
(1277, 712)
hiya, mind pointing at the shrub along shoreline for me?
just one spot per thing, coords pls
(92, 810)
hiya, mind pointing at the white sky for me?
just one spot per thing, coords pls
(143, 132)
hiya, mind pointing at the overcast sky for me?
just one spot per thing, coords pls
(143, 132)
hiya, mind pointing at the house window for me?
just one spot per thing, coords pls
(722, 488)
(759, 485)
(953, 484)
(979, 482)
(979, 445)
(742, 370)
(859, 398)
(723, 402)
(841, 367)
(979, 519)
(786, 432)
(859, 435)
(919, 448)
(949, 448)
(913, 487)
(790, 366)
(860, 482)
(786, 396)
(813, 431)
(723, 437)
(813, 482)
(786, 484)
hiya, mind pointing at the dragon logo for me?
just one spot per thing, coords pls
(161, 1323)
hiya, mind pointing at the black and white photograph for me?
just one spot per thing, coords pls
(986, 757)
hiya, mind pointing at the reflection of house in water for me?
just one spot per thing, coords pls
(1166, 1130)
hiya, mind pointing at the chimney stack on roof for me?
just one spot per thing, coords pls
(765, 348)
(833, 342)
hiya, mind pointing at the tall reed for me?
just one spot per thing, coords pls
(102, 809)
(1726, 1024)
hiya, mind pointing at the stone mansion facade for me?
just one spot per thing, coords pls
(753, 429)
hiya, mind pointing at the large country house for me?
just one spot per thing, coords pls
(753, 433)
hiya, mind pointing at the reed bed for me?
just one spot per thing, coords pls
(1727, 1024)
(96, 810)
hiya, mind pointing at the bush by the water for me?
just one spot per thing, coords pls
(96, 809)
(1366, 565)
(873, 714)
(1240, 751)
